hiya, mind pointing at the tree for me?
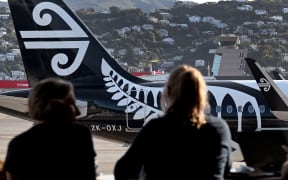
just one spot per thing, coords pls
(114, 10)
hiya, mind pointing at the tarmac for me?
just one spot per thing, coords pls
(107, 151)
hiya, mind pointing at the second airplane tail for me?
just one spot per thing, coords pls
(275, 97)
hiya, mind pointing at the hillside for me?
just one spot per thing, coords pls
(102, 5)
(189, 31)
(182, 34)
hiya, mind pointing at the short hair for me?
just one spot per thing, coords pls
(186, 91)
(46, 100)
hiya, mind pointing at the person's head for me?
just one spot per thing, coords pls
(186, 93)
(53, 100)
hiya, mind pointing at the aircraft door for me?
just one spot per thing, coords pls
(135, 110)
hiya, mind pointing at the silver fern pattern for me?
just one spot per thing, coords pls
(131, 95)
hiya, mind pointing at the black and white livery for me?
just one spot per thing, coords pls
(115, 104)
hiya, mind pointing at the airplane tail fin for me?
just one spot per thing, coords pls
(55, 42)
(275, 97)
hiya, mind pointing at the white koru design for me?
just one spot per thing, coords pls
(264, 83)
(46, 19)
(62, 58)
(75, 32)
(133, 104)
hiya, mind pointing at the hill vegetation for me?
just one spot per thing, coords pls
(104, 5)
(264, 37)
(175, 37)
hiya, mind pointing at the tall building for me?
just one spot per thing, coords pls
(228, 58)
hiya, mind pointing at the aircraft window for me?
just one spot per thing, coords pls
(229, 109)
(218, 109)
(250, 109)
(262, 108)
(240, 108)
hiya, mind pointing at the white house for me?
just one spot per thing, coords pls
(277, 18)
(245, 7)
(10, 56)
(163, 32)
(18, 75)
(260, 11)
(4, 16)
(168, 40)
(136, 28)
(194, 19)
(285, 10)
(148, 27)
(2, 57)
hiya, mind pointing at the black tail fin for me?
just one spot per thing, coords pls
(55, 42)
(275, 97)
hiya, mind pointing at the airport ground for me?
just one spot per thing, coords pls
(107, 151)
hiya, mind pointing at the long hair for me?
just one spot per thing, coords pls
(186, 93)
(47, 101)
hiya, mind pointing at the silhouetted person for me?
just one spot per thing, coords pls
(184, 143)
(56, 147)
(2, 173)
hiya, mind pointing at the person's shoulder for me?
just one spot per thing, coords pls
(35, 130)
(217, 123)
(157, 121)
(215, 120)
(24, 136)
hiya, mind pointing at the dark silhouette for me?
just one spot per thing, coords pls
(284, 168)
(56, 147)
(185, 143)
(2, 173)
